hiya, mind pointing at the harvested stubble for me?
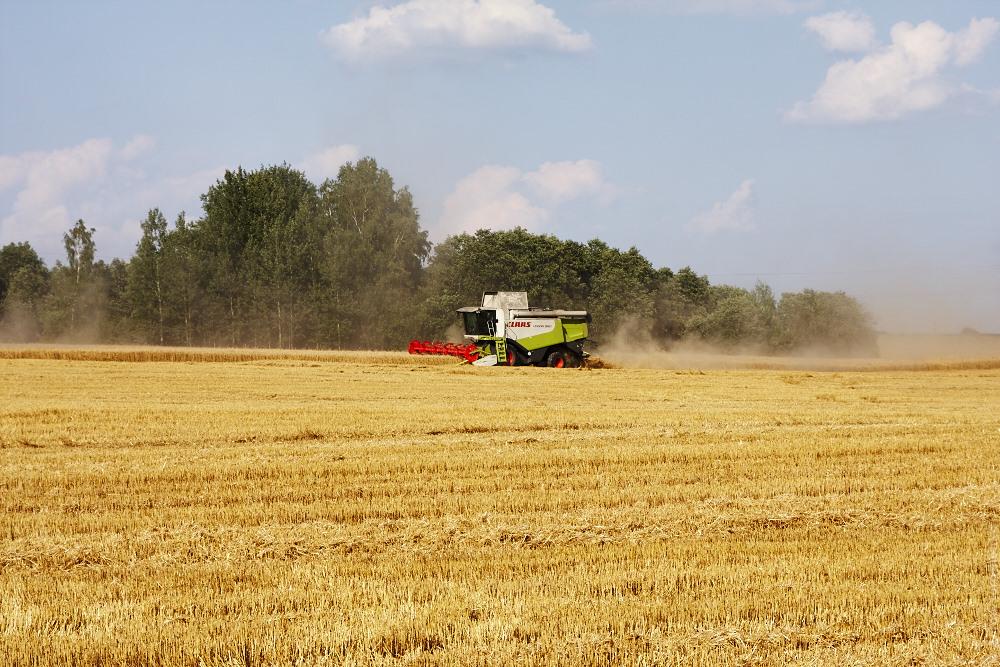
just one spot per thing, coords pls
(373, 511)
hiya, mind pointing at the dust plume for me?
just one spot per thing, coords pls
(18, 324)
(966, 345)
(632, 347)
(455, 333)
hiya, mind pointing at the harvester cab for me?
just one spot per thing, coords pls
(505, 330)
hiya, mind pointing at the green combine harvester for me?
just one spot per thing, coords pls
(505, 330)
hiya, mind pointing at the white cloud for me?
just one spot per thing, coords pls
(737, 7)
(44, 179)
(497, 197)
(10, 170)
(43, 174)
(141, 144)
(43, 192)
(561, 181)
(844, 31)
(176, 193)
(485, 199)
(733, 214)
(892, 81)
(419, 25)
(327, 163)
(972, 42)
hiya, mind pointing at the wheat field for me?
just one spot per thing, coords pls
(240, 508)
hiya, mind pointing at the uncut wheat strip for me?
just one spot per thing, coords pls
(218, 355)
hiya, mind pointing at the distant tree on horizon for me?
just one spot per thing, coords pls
(276, 261)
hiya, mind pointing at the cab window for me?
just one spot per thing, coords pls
(482, 323)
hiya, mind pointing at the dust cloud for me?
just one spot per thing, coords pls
(632, 347)
(455, 334)
(18, 325)
(629, 348)
(964, 346)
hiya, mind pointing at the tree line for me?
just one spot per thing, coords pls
(276, 261)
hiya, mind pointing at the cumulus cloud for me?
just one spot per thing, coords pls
(498, 197)
(903, 77)
(139, 145)
(971, 43)
(844, 31)
(486, 199)
(733, 214)
(109, 185)
(43, 180)
(43, 192)
(327, 163)
(41, 174)
(175, 193)
(436, 25)
(561, 181)
(737, 7)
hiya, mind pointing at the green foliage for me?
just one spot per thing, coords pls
(74, 307)
(615, 286)
(117, 323)
(681, 298)
(622, 289)
(181, 274)
(255, 244)
(826, 321)
(24, 282)
(736, 319)
(14, 258)
(145, 288)
(276, 261)
(374, 252)
(80, 252)
(730, 321)
(553, 272)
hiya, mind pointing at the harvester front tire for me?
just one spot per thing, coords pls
(557, 359)
(511, 359)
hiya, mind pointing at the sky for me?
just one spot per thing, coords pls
(832, 145)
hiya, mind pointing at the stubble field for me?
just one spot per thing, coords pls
(368, 509)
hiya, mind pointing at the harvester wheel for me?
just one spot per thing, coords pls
(556, 359)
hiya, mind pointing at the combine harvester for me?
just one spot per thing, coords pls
(505, 330)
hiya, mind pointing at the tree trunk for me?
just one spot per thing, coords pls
(76, 300)
(159, 306)
(232, 319)
(280, 341)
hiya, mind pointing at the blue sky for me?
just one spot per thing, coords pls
(814, 143)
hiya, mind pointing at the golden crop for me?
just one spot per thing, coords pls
(240, 508)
